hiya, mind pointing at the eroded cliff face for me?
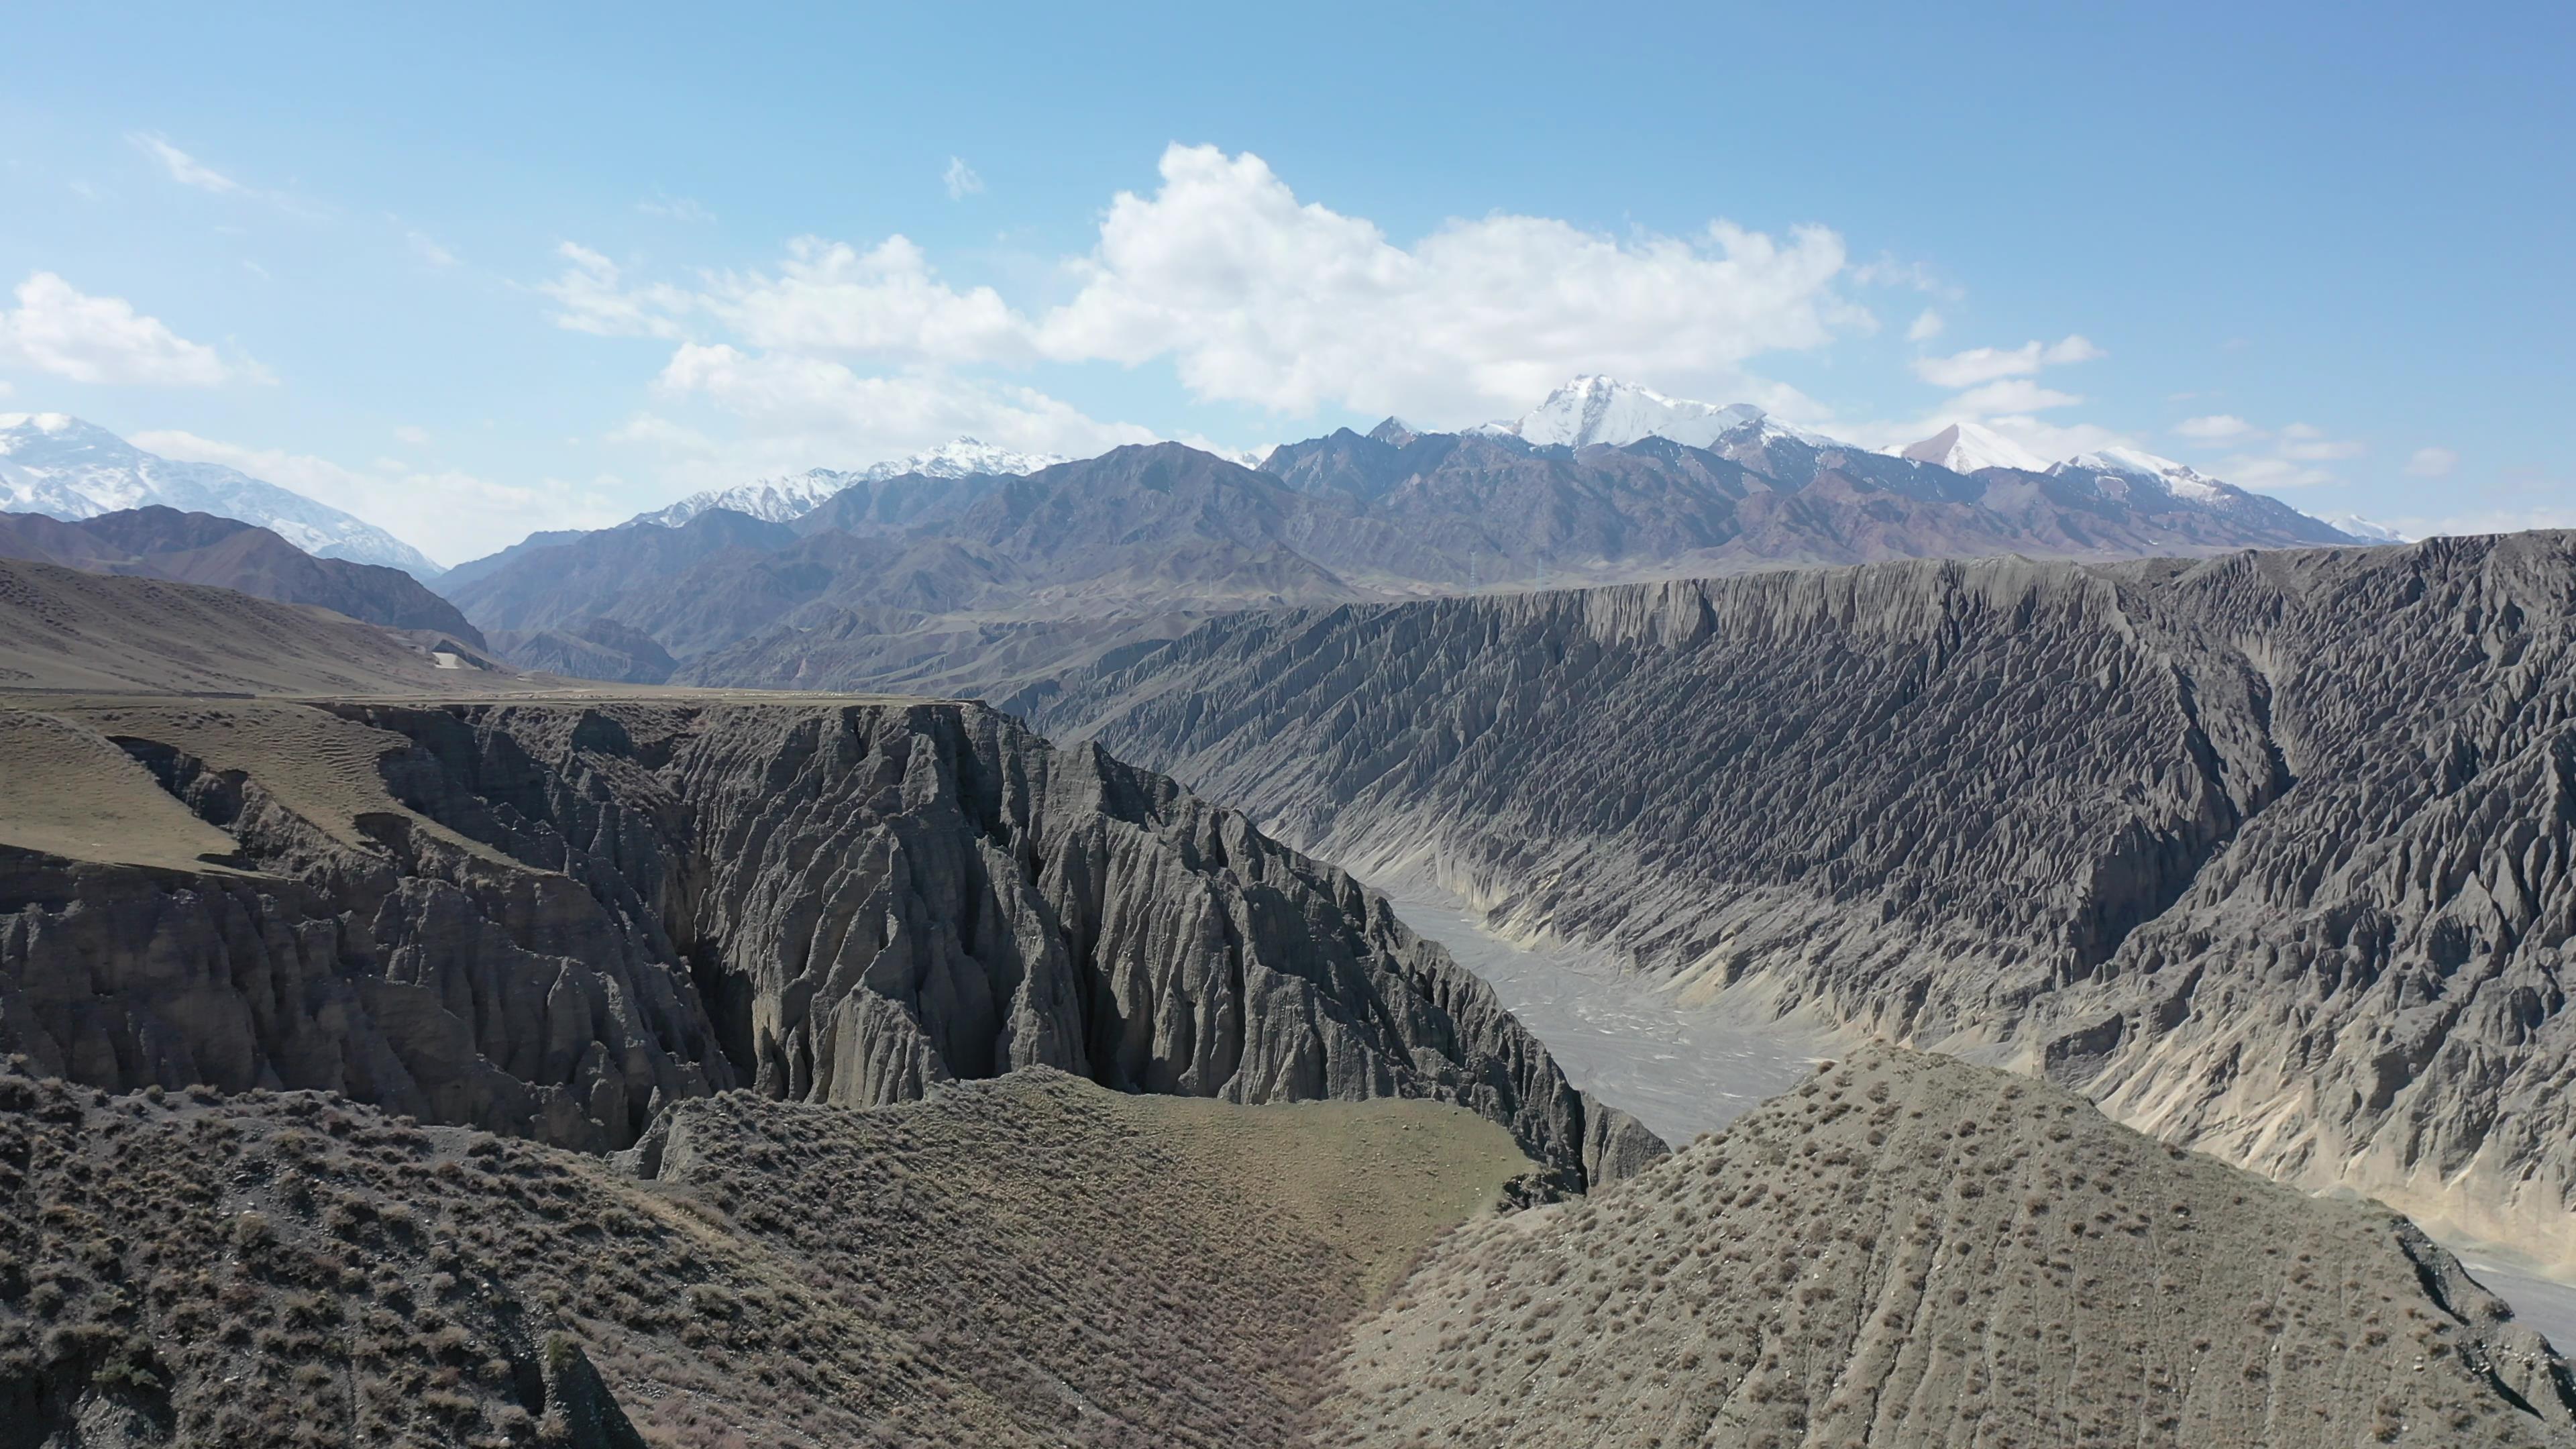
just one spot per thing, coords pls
(2270, 854)
(555, 919)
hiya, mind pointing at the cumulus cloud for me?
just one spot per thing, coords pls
(845, 352)
(1926, 326)
(2432, 463)
(960, 179)
(58, 329)
(1260, 298)
(1986, 364)
(833, 299)
(446, 513)
(412, 436)
(183, 168)
(2215, 428)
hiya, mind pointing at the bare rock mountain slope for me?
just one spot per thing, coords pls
(66, 629)
(1912, 1252)
(200, 548)
(2269, 853)
(556, 919)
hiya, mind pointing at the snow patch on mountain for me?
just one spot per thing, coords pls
(60, 466)
(781, 499)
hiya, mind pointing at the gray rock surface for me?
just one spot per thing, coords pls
(556, 919)
(1914, 1251)
(2268, 853)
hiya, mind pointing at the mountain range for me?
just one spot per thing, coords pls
(60, 466)
(952, 581)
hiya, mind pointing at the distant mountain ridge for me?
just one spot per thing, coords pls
(780, 500)
(57, 465)
(984, 583)
(200, 548)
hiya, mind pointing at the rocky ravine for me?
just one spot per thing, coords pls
(557, 919)
(2269, 853)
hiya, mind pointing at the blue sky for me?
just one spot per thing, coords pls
(470, 272)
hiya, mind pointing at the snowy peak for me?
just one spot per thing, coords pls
(1395, 431)
(60, 466)
(963, 458)
(780, 500)
(1595, 409)
(1967, 447)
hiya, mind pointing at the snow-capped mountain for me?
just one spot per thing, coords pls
(1595, 409)
(58, 465)
(1967, 447)
(781, 499)
(2179, 479)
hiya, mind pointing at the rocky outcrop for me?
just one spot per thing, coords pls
(2268, 853)
(1912, 1251)
(558, 919)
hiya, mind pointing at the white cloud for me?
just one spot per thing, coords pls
(2305, 444)
(2261, 472)
(1926, 326)
(446, 513)
(1259, 298)
(960, 179)
(822, 411)
(591, 293)
(58, 329)
(427, 248)
(2012, 395)
(2432, 462)
(181, 167)
(1985, 364)
(416, 437)
(2215, 428)
(673, 208)
(831, 298)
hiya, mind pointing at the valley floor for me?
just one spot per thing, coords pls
(1683, 1071)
